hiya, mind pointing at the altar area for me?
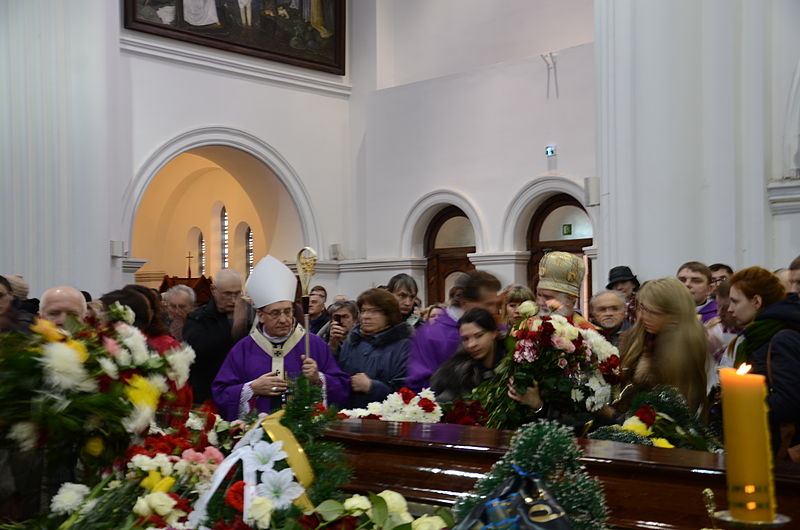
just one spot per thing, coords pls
(645, 487)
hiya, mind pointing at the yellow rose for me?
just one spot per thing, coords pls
(357, 504)
(48, 330)
(94, 446)
(428, 522)
(79, 347)
(140, 392)
(528, 308)
(153, 478)
(261, 511)
(635, 425)
(164, 485)
(662, 442)
(160, 502)
(394, 501)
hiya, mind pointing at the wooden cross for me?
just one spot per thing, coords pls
(189, 264)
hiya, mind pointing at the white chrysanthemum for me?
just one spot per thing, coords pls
(599, 345)
(159, 382)
(279, 487)
(69, 498)
(63, 368)
(180, 361)
(134, 340)
(577, 395)
(394, 400)
(25, 434)
(374, 408)
(139, 419)
(427, 393)
(109, 367)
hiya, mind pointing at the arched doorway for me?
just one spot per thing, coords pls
(226, 196)
(560, 224)
(449, 238)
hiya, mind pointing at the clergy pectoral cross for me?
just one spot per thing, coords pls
(189, 265)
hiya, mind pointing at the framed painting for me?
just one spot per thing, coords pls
(307, 33)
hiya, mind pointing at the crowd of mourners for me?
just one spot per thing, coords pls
(250, 338)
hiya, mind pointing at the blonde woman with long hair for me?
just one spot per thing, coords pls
(667, 345)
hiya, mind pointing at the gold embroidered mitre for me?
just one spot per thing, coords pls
(562, 272)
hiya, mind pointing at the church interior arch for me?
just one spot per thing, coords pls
(449, 239)
(184, 200)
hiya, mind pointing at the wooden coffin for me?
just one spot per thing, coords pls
(645, 487)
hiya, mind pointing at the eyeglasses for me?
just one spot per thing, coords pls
(275, 314)
(720, 279)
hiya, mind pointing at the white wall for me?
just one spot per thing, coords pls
(481, 134)
(434, 38)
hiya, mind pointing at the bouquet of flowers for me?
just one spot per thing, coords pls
(91, 388)
(662, 419)
(464, 412)
(573, 366)
(403, 405)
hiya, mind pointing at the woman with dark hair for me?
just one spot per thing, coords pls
(375, 352)
(8, 314)
(480, 352)
(155, 329)
(136, 301)
(770, 342)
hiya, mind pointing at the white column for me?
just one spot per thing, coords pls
(508, 267)
(56, 145)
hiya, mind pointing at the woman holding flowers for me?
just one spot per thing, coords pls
(480, 352)
(667, 345)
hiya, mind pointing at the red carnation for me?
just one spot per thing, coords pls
(407, 395)
(234, 497)
(647, 414)
(426, 404)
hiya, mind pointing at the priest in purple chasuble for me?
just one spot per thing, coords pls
(254, 374)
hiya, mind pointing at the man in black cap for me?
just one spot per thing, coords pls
(622, 279)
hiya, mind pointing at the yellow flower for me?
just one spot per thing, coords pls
(153, 478)
(428, 522)
(634, 424)
(395, 502)
(79, 347)
(48, 330)
(662, 442)
(261, 510)
(140, 392)
(94, 446)
(165, 484)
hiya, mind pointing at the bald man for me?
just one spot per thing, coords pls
(59, 302)
(213, 329)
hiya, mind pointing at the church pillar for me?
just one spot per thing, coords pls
(57, 141)
(682, 133)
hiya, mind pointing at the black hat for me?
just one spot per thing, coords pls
(621, 273)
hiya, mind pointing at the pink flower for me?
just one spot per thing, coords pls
(110, 345)
(191, 455)
(212, 453)
(562, 363)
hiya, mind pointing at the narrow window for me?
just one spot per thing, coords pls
(223, 223)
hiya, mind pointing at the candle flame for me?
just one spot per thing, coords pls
(743, 369)
(749, 489)
(751, 506)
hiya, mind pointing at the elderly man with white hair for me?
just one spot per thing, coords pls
(213, 329)
(60, 302)
(180, 300)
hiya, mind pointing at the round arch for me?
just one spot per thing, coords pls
(412, 238)
(528, 200)
(229, 137)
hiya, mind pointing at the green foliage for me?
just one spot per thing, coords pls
(504, 412)
(614, 433)
(550, 450)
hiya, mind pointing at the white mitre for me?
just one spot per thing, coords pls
(271, 281)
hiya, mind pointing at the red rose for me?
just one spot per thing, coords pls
(407, 395)
(647, 414)
(345, 523)
(309, 522)
(426, 404)
(234, 497)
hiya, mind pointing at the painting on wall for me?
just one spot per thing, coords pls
(307, 33)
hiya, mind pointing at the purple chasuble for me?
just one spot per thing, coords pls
(248, 360)
(708, 310)
(431, 345)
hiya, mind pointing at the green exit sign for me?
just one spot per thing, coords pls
(566, 230)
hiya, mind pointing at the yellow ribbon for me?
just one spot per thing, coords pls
(295, 456)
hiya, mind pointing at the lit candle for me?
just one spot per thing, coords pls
(748, 454)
